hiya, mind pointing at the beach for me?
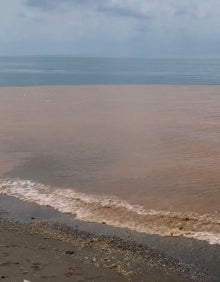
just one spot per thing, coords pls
(135, 163)
(60, 248)
(27, 256)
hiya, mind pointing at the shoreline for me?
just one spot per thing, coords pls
(176, 257)
(91, 256)
(96, 208)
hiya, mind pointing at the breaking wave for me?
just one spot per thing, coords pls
(115, 212)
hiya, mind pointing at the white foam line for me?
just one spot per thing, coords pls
(114, 211)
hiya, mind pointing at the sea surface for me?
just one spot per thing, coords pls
(61, 70)
(142, 157)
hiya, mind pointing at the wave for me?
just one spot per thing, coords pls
(115, 212)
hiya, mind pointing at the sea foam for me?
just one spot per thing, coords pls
(114, 211)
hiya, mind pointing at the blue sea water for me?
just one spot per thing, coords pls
(60, 70)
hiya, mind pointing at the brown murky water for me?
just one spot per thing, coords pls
(156, 146)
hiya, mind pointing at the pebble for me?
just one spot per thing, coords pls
(69, 252)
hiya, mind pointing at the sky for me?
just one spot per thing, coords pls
(135, 28)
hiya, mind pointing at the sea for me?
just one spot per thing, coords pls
(130, 142)
(61, 70)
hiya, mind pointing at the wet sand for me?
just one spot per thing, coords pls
(26, 256)
(133, 255)
(49, 251)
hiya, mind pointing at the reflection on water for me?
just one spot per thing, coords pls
(157, 146)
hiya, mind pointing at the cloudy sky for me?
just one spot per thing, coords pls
(157, 28)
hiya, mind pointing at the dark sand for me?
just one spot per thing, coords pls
(37, 254)
(63, 249)
(45, 250)
(37, 258)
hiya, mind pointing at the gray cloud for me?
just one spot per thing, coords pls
(51, 4)
(139, 9)
(127, 27)
(102, 6)
(42, 4)
(181, 12)
(122, 12)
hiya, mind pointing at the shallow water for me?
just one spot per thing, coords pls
(153, 148)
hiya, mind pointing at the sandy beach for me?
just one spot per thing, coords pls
(40, 243)
(38, 250)
(27, 256)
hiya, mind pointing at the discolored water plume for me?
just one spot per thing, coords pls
(99, 148)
